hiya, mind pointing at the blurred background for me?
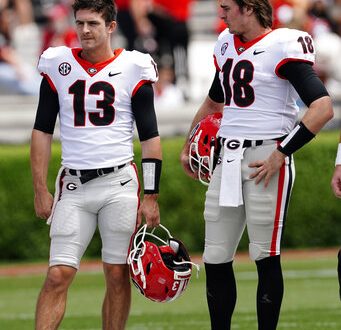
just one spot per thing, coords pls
(180, 35)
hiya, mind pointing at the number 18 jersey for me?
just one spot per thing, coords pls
(259, 103)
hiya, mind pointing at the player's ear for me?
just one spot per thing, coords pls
(248, 10)
(112, 26)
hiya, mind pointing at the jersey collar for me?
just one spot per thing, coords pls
(241, 46)
(91, 68)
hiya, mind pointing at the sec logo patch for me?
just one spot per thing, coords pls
(64, 68)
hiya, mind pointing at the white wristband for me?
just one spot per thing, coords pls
(338, 156)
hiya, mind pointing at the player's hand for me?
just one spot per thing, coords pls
(43, 202)
(184, 159)
(265, 169)
(149, 209)
(336, 181)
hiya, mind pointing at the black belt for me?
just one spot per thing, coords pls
(87, 175)
(250, 143)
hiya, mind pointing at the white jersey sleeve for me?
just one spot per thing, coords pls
(295, 45)
(48, 58)
(220, 48)
(145, 69)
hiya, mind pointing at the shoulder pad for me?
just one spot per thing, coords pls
(296, 45)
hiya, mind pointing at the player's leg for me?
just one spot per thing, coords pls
(117, 223)
(116, 304)
(52, 298)
(339, 271)
(223, 229)
(269, 292)
(71, 230)
(266, 210)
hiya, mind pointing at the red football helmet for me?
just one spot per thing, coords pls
(203, 142)
(161, 271)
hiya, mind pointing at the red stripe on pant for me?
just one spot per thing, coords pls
(278, 215)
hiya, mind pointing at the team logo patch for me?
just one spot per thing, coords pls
(224, 48)
(64, 68)
(233, 144)
(71, 186)
(92, 70)
(241, 49)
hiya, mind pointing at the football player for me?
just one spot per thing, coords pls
(336, 185)
(259, 72)
(98, 93)
(336, 180)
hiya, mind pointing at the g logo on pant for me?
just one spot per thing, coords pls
(71, 186)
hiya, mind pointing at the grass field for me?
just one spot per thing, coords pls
(310, 302)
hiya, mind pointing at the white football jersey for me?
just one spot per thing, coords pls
(96, 119)
(259, 104)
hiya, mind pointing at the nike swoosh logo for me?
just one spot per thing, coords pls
(125, 182)
(230, 161)
(114, 74)
(258, 52)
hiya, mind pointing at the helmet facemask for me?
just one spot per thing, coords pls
(201, 164)
(204, 148)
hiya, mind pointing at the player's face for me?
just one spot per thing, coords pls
(92, 31)
(230, 13)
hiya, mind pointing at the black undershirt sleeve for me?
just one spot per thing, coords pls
(216, 92)
(142, 104)
(48, 108)
(305, 81)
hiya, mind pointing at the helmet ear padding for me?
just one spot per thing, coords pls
(161, 271)
(180, 254)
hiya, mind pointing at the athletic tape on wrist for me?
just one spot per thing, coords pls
(299, 136)
(151, 170)
(338, 155)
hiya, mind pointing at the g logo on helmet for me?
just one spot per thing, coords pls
(233, 144)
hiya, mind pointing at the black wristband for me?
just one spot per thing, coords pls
(151, 171)
(299, 136)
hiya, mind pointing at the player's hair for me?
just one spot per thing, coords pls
(106, 7)
(261, 8)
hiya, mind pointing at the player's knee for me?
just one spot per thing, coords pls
(258, 252)
(117, 276)
(59, 278)
(216, 255)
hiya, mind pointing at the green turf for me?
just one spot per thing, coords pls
(310, 302)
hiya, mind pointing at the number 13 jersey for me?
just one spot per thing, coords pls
(96, 119)
(259, 103)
